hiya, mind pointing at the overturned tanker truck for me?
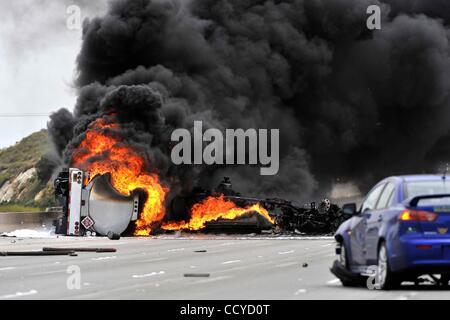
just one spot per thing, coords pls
(94, 207)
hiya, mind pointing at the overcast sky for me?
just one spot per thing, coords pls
(37, 62)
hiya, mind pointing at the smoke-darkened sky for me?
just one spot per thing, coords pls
(351, 104)
(37, 62)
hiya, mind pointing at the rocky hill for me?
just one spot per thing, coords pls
(25, 171)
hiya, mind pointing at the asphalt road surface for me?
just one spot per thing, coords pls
(154, 268)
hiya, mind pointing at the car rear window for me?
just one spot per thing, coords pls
(419, 188)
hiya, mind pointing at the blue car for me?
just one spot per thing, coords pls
(400, 232)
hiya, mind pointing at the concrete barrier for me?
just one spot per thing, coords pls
(10, 221)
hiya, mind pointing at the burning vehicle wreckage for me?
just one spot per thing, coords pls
(109, 190)
(92, 205)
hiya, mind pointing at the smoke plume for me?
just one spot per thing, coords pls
(351, 104)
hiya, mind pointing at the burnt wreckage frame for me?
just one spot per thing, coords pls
(312, 218)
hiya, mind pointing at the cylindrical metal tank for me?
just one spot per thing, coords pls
(109, 210)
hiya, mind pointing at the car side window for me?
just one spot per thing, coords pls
(386, 196)
(371, 199)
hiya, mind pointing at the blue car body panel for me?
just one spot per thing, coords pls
(411, 245)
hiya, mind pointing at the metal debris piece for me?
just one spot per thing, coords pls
(98, 250)
(200, 251)
(196, 275)
(305, 265)
(35, 253)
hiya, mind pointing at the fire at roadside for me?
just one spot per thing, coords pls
(238, 67)
(92, 206)
(111, 189)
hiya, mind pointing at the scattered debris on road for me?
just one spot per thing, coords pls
(47, 251)
(36, 253)
(97, 250)
(196, 275)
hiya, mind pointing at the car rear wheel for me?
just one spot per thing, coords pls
(341, 269)
(385, 278)
(343, 259)
(343, 256)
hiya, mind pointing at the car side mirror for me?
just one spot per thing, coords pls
(349, 209)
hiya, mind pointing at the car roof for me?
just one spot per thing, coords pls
(401, 179)
(420, 177)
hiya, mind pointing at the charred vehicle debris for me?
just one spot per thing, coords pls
(93, 207)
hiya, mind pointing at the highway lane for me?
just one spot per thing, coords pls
(154, 268)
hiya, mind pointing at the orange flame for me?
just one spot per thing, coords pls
(102, 151)
(212, 209)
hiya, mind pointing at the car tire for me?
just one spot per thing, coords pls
(341, 269)
(385, 278)
(343, 259)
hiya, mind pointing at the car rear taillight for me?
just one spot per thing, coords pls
(418, 215)
(424, 246)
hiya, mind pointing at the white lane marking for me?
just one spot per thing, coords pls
(47, 272)
(326, 245)
(259, 256)
(145, 275)
(18, 294)
(7, 268)
(286, 252)
(334, 281)
(231, 261)
(153, 260)
(407, 296)
(103, 258)
(212, 279)
(174, 250)
(228, 244)
(287, 264)
(299, 291)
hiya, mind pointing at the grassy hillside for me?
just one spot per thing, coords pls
(25, 170)
(24, 155)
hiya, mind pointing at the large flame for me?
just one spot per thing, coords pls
(102, 151)
(214, 208)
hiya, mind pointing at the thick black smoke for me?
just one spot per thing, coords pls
(60, 129)
(351, 104)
